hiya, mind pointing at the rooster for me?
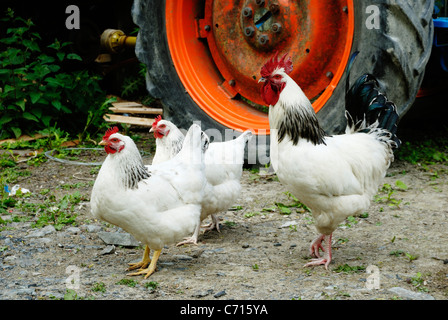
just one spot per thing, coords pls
(335, 176)
(223, 170)
(158, 206)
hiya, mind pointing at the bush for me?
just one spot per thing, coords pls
(35, 91)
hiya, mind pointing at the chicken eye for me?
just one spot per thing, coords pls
(114, 140)
(277, 77)
(162, 126)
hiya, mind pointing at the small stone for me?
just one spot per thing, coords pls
(91, 228)
(410, 295)
(288, 224)
(182, 257)
(41, 232)
(73, 230)
(220, 294)
(119, 239)
(108, 250)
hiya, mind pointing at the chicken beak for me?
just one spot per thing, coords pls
(151, 130)
(102, 143)
(262, 80)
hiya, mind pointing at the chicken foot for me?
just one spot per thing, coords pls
(152, 266)
(314, 251)
(146, 260)
(212, 225)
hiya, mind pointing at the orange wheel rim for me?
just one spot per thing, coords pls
(218, 49)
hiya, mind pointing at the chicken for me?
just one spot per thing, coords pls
(223, 170)
(158, 206)
(169, 139)
(335, 176)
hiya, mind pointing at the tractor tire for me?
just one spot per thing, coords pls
(198, 54)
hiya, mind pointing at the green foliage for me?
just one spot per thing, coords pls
(349, 269)
(429, 151)
(35, 91)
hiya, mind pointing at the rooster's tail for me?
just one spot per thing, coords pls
(367, 107)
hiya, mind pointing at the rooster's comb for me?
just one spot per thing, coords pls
(274, 63)
(109, 132)
(156, 120)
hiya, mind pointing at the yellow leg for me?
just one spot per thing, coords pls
(152, 266)
(146, 260)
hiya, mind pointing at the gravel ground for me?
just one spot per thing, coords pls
(397, 250)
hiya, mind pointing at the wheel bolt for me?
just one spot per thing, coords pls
(276, 27)
(232, 83)
(247, 12)
(274, 7)
(263, 39)
(259, 2)
(329, 75)
(249, 31)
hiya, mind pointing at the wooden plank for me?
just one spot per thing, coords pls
(24, 138)
(142, 110)
(126, 104)
(129, 120)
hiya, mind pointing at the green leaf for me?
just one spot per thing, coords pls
(8, 88)
(401, 185)
(33, 46)
(30, 116)
(60, 55)
(74, 56)
(35, 96)
(5, 119)
(21, 104)
(17, 132)
(57, 104)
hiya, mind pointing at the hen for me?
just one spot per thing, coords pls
(169, 139)
(335, 176)
(158, 206)
(223, 170)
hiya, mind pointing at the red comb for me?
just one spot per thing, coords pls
(109, 132)
(275, 63)
(156, 120)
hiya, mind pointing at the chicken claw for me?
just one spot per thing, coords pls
(152, 266)
(212, 225)
(314, 251)
(146, 260)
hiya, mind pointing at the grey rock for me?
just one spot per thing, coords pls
(288, 224)
(73, 230)
(41, 232)
(410, 295)
(182, 257)
(108, 250)
(91, 228)
(118, 239)
(220, 294)
(201, 294)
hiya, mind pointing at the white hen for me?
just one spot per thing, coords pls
(335, 176)
(159, 206)
(223, 169)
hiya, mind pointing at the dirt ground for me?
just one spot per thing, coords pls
(397, 250)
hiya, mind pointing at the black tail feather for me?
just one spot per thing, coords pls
(365, 101)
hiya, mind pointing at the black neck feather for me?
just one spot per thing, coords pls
(300, 125)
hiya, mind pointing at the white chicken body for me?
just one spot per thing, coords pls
(335, 176)
(223, 169)
(159, 206)
(335, 180)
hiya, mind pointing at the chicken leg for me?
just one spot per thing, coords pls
(146, 260)
(314, 251)
(212, 225)
(152, 266)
